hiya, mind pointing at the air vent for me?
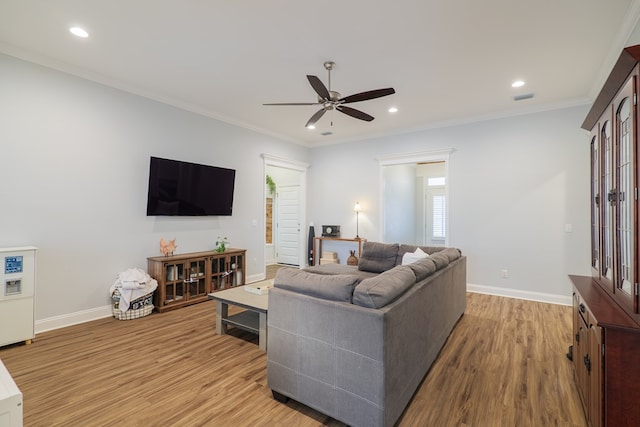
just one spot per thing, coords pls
(524, 96)
(326, 133)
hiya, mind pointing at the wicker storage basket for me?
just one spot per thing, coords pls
(139, 307)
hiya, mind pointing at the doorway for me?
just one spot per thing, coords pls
(415, 198)
(284, 211)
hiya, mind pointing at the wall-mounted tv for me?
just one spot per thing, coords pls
(179, 188)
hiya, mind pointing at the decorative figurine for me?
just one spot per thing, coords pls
(353, 259)
(167, 248)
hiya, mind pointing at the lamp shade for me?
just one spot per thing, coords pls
(356, 208)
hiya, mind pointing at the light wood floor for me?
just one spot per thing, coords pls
(504, 365)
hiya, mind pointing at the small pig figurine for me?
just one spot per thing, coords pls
(167, 248)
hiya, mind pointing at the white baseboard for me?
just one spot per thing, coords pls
(56, 322)
(526, 295)
(64, 320)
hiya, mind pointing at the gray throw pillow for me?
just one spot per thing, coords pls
(378, 257)
(337, 287)
(385, 288)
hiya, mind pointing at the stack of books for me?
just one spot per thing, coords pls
(329, 258)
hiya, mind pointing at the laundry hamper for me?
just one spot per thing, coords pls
(139, 307)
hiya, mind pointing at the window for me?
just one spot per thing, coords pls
(438, 216)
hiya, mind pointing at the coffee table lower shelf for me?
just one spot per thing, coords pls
(247, 320)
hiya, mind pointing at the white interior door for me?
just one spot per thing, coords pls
(288, 225)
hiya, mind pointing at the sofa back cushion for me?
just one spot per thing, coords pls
(330, 287)
(378, 257)
(385, 288)
(423, 268)
(441, 259)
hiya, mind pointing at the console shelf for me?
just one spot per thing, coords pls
(188, 278)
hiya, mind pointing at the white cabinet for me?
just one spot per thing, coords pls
(10, 400)
(17, 294)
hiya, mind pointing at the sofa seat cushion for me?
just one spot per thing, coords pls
(378, 257)
(385, 288)
(330, 287)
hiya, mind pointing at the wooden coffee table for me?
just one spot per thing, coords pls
(252, 319)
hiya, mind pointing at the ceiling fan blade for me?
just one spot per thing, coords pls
(354, 113)
(315, 118)
(370, 94)
(295, 103)
(319, 87)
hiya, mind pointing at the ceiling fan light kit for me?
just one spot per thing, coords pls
(332, 100)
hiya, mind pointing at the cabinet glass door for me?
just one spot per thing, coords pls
(608, 205)
(625, 200)
(219, 273)
(196, 279)
(174, 283)
(236, 267)
(595, 205)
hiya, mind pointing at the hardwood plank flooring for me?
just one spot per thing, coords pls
(504, 365)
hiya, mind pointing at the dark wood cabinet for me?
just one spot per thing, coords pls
(606, 354)
(188, 278)
(606, 317)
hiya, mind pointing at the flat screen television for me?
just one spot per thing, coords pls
(179, 188)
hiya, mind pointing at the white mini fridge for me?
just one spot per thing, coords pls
(17, 295)
(10, 400)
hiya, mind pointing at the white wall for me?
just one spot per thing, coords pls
(513, 185)
(74, 164)
(399, 201)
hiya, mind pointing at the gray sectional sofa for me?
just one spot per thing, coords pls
(356, 342)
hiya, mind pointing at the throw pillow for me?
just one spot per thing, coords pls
(411, 257)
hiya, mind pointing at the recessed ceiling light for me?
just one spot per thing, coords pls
(393, 110)
(517, 83)
(77, 31)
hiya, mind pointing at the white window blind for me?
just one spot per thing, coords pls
(438, 216)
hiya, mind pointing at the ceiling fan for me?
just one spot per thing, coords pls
(332, 100)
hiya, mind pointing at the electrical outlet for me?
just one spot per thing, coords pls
(504, 274)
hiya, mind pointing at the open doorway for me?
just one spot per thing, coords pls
(414, 198)
(284, 210)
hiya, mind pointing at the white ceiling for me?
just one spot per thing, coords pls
(449, 61)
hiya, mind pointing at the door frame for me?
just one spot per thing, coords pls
(275, 161)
